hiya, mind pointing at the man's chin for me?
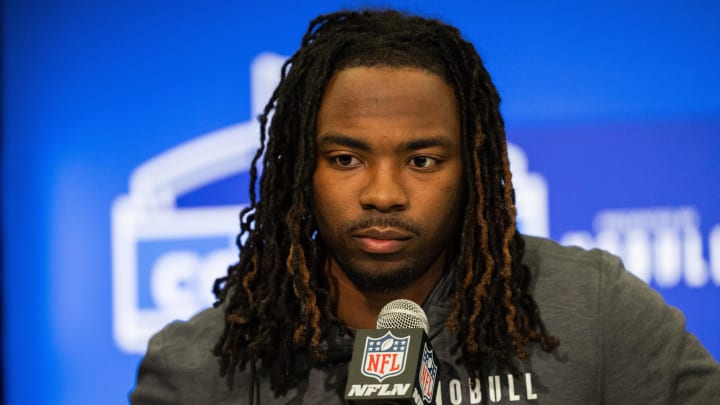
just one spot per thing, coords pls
(378, 280)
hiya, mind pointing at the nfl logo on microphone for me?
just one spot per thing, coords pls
(428, 373)
(385, 356)
(392, 366)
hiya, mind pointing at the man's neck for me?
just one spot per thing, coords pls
(359, 309)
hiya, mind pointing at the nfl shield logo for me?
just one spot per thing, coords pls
(428, 372)
(384, 356)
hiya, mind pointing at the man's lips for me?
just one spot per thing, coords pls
(382, 240)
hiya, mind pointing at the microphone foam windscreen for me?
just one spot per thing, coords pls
(402, 313)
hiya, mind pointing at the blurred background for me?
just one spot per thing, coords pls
(127, 126)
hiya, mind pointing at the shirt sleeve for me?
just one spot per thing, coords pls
(647, 354)
(154, 379)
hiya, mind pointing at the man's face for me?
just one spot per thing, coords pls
(388, 186)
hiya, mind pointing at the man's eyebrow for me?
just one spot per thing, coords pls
(342, 140)
(423, 143)
(334, 139)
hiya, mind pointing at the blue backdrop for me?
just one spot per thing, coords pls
(127, 124)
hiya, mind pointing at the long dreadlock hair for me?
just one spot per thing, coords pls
(276, 298)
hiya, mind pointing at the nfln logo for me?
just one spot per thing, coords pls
(385, 356)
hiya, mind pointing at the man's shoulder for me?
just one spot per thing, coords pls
(191, 340)
(179, 367)
(549, 259)
(543, 251)
(569, 274)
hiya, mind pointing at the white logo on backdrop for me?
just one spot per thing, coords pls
(663, 245)
(531, 195)
(178, 275)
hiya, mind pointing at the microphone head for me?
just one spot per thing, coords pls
(400, 314)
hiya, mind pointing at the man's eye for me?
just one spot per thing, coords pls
(423, 162)
(345, 160)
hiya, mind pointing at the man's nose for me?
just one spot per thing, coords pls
(384, 191)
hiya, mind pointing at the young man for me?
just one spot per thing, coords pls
(385, 176)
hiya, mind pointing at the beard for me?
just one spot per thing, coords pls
(382, 273)
(381, 282)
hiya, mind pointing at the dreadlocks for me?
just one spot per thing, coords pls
(278, 289)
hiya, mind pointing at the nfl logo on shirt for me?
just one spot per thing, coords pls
(385, 356)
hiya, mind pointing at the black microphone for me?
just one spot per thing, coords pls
(395, 363)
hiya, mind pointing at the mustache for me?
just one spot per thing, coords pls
(383, 222)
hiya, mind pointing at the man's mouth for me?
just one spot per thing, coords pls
(382, 240)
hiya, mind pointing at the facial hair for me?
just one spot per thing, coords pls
(376, 282)
(382, 282)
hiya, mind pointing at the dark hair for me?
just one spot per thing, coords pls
(277, 289)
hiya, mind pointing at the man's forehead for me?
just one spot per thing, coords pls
(364, 89)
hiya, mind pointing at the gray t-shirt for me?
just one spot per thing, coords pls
(620, 344)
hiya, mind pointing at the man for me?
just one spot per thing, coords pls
(385, 175)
